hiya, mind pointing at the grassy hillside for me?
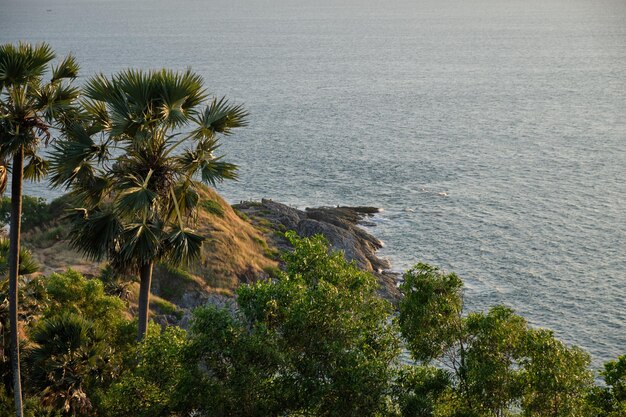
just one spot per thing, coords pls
(234, 252)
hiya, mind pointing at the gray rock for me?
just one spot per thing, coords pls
(340, 226)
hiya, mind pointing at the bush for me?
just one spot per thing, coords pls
(146, 389)
(70, 292)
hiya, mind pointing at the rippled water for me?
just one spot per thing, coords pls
(491, 132)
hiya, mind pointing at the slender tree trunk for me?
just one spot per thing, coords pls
(145, 274)
(14, 262)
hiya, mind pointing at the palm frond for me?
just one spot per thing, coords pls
(140, 243)
(99, 88)
(136, 199)
(55, 99)
(36, 168)
(90, 189)
(217, 171)
(27, 264)
(183, 246)
(219, 117)
(59, 335)
(187, 197)
(71, 156)
(23, 63)
(181, 93)
(173, 113)
(94, 233)
(68, 68)
(192, 161)
(97, 112)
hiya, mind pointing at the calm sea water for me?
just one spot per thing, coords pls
(493, 133)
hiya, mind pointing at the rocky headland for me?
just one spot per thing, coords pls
(340, 225)
(243, 244)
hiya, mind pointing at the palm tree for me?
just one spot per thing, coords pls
(68, 351)
(28, 105)
(27, 266)
(135, 166)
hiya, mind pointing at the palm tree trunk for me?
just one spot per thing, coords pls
(145, 274)
(14, 261)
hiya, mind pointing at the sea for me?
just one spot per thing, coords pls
(492, 133)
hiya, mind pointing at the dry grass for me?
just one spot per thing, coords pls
(234, 252)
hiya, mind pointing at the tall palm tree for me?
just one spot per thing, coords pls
(28, 106)
(135, 165)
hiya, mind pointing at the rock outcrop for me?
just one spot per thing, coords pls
(340, 225)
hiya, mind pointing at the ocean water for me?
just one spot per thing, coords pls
(492, 133)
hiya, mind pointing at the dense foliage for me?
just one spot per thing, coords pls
(315, 340)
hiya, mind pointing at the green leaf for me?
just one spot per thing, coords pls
(140, 243)
(135, 197)
(217, 171)
(27, 264)
(219, 117)
(183, 246)
(23, 63)
(68, 68)
(36, 168)
(94, 233)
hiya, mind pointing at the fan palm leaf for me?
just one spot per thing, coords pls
(183, 246)
(219, 117)
(36, 168)
(69, 160)
(23, 63)
(67, 69)
(136, 197)
(141, 243)
(95, 234)
(28, 265)
(216, 171)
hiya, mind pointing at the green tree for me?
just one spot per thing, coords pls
(27, 107)
(496, 362)
(418, 388)
(137, 184)
(314, 341)
(556, 377)
(147, 389)
(610, 400)
(231, 368)
(331, 326)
